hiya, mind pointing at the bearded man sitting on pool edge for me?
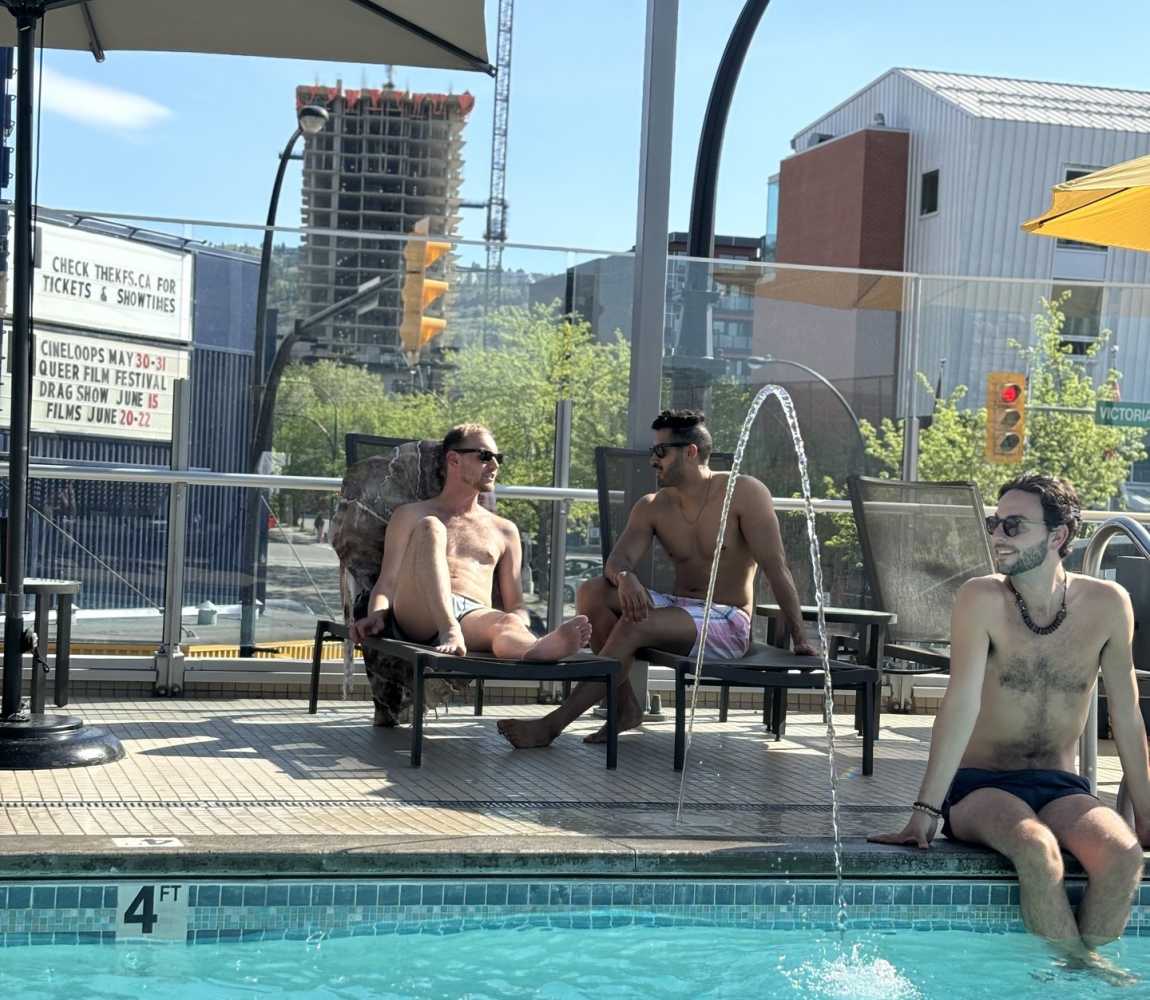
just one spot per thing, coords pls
(1026, 647)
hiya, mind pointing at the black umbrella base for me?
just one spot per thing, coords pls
(45, 741)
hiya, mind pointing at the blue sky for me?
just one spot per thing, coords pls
(197, 136)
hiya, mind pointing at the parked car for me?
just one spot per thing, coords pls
(576, 570)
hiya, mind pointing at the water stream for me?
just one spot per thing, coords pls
(817, 577)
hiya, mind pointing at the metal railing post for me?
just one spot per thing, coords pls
(560, 479)
(910, 426)
(1092, 566)
(170, 656)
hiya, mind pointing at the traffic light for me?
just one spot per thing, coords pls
(1005, 416)
(420, 291)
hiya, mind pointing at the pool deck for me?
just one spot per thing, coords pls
(258, 787)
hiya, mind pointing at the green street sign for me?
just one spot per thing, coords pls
(1122, 414)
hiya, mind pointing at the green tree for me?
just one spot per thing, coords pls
(1061, 437)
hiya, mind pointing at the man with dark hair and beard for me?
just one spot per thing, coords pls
(1026, 647)
(443, 557)
(684, 515)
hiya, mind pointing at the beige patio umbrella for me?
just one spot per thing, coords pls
(443, 33)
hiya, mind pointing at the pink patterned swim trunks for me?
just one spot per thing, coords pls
(729, 631)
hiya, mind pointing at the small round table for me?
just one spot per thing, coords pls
(64, 591)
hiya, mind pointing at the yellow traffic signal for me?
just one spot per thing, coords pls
(420, 291)
(1005, 416)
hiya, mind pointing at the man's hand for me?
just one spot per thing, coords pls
(634, 601)
(373, 624)
(918, 832)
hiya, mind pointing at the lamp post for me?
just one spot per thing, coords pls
(311, 119)
(758, 361)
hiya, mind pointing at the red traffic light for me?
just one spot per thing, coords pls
(1010, 392)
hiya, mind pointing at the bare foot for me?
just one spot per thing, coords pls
(451, 642)
(524, 734)
(568, 638)
(630, 715)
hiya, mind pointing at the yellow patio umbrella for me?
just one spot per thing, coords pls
(1109, 207)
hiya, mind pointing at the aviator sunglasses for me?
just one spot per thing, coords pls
(1011, 525)
(483, 453)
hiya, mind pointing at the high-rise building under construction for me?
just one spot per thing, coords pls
(385, 159)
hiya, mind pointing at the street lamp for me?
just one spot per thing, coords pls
(758, 361)
(310, 119)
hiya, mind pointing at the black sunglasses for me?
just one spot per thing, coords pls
(483, 453)
(1011, 525)
(660, 450)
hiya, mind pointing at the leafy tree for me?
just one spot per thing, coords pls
(1061, 442)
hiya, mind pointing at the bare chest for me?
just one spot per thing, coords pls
(476, 541)
(691, 535)
(1059, 667)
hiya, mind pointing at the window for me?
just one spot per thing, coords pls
(928, 195)
(1072, 174)
(1083, 312)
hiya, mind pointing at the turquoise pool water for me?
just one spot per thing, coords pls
(563, 964)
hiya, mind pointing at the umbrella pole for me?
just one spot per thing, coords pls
(33, 741)
(20, 350)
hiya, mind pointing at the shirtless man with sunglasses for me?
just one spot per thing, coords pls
(1026, 648)
(443, 557)
(684, 516)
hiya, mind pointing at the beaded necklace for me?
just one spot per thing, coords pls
(1029, 622)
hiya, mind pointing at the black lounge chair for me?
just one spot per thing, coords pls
(920, 543)
(399, 670)
(624, 475)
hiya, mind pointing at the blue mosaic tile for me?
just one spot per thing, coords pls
(863, 895)
(517, 894)
(581, 894)
(920, 895)
(623, 894)
(903, 895)
(277, 895)
(453, 894)
(999, 895)
(68, 897)
(804, 895)
(644, 894)
(254, 895)
(560, 896)
(300, 895)
(475, 894)
(764, 895)
(229, 934)
(88, 937)
(980, 895)
(538, 894)
(433, 894)
(209, 895)
(19, 897)
(685, 894)
(744, 895)
(344, 894)
(232, 895)
(409, 895)
(824, 895)
(44, 897)
(960, 895)
(883, 895)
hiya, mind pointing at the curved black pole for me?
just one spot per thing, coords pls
(701, 234)
(254, 505)
(693, 333)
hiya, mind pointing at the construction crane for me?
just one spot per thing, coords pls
(496, 232)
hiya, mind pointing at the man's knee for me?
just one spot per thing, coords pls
(1036, 854)
(1120, 861)
(429, 530)
(593, 593)
(508, 623)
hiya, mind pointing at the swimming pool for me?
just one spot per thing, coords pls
(509, 938)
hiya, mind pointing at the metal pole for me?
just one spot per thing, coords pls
(254, 506)
(910, 388)
(648, 309)
(20, 368)
(695, 334)
(170, 656)
(559, 514)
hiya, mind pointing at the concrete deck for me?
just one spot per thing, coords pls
(258, 786)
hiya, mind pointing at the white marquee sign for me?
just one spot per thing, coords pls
(98, 385)
(99, 282)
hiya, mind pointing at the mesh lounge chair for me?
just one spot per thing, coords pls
(920, 543)
(624, 475)
(400, 671)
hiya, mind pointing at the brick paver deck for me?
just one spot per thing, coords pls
(265, 768)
